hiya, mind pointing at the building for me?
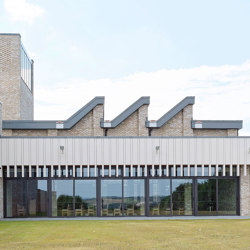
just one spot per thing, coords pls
(130, 166)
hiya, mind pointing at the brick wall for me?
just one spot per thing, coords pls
(1, 198)
(26, 102)
(15, 96)
(10, 72)
(179, 125)
(210, 132)
(134, 125)
(245, 192)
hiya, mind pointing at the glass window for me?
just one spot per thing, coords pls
(206, 196)
(206, 170)
(77, 171)
(178, 170)
(19, 171)
(84, 171)
(234, 170)
(85, 198)
(12, 172)
(111, 197)
(127, 171)
(106, 171)
(63, 171)
(120, 170)
(113, 171)
(213, 170)
(182, 196)
(192, 170)
(150, 171)
(56, 171)
(92, 171)
(48, 171)
(227, 170)
(164, 170)
(62, 197)
(26, 171)
(26, 67)
(159, 197)
(199, 170)
(70, 171)
(40, 171)
(220, 170)
(157, 171)
(171, 170)
(227, 196)
(16, 198)
(37, 197)
(33, 171)
(135, 169)
(142, 171)
(134, 198)
(185, 170)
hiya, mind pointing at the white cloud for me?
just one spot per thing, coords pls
(221, 93)
(21, 10)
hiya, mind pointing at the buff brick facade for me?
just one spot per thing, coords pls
(245, 192)
(17, 99)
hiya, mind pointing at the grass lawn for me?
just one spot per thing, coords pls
(185, 234)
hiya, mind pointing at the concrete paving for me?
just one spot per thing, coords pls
(130, 218)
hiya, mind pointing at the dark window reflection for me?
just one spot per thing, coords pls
(159, 197)
(85, 198)
(37, 198)
(206, 196)
(111, 197)
(182, 196)
(62, 198)
(134, 197)
(16, 198)
(227, 197)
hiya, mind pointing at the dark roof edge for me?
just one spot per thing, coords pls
(10, 34)
(189, 100)
(217, 124)
(52, 124)
(144, 100)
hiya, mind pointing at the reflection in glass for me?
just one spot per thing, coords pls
(182, 197)
(227, 197)
(16, 198)
(37, 197)
(159, 197)
(199, 170)
(85, 198)
(134, 197)
(206, 196)
(111, 197)
(62, 198)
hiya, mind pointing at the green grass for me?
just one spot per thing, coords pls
(168, 234)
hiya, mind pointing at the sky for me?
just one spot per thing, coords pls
(127, 49)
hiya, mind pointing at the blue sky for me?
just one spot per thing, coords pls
(165, 49)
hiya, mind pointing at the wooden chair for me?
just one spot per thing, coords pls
(156, 210)
(117, 211)
(105, 210)
(20, 210)
(131, 211)
(79, 211)
(91, 210)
